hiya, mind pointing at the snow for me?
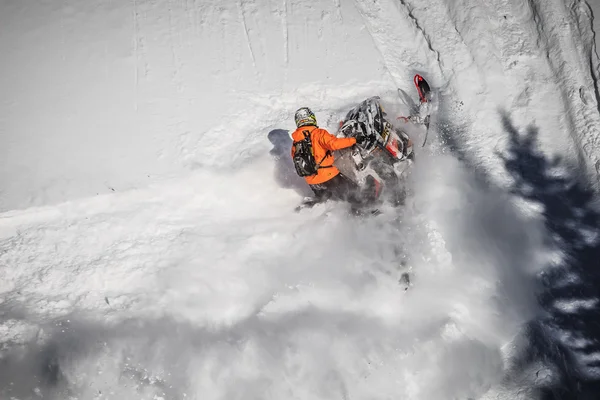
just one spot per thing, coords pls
(148, 244)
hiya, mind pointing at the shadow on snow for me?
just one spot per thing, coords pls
(285, 173)
(566, 336)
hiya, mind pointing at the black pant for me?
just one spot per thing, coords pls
(338, 188)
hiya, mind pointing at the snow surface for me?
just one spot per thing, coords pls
(148, 244)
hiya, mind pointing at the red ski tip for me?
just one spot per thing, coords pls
(422, 87)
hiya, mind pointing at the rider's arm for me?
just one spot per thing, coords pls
(332, 143)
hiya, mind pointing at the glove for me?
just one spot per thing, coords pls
(360, 139)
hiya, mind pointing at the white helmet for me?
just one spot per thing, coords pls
(305, 117)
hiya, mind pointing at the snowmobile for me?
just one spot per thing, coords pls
(380, 162)
(378, 165)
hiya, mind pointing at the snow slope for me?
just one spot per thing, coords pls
(148, 247)
(131, 92)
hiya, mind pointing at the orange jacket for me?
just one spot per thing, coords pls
(323, 144)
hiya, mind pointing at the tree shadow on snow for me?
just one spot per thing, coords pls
(567, 336)
(285, 173)
(562, 345)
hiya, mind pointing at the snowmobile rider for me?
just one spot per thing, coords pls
(324, 178)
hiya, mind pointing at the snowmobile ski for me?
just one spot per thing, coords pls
(422, 88)
(405, 97)
(424, 91)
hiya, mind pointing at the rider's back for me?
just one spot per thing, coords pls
(323, 144)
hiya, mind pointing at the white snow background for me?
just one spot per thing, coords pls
(148, 243)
